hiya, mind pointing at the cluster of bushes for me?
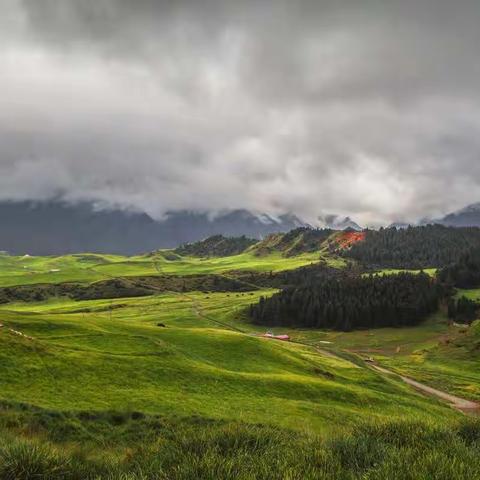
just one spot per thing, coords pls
(138, 447)
(348, 302)
(414, 247)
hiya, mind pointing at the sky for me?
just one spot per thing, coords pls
(364, 108)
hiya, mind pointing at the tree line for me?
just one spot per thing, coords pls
(464, 273)
(351, 302)
(414, 247)
(463, 309)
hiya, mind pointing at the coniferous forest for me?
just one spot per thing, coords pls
(463, 310)
(351, 302)
(414, 247)
(465, 273)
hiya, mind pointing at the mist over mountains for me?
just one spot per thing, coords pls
(337, 222)
(466, 217)
(55, 227)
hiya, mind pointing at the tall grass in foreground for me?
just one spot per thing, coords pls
(134, 447)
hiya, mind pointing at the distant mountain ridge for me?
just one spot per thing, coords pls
(56, 228)
(400, 225)
(465, 217)
(337, 222)
(468, 216)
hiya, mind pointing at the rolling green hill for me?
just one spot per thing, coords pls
(91, 268)
(450, 363)
(200, 363)
(147, 367)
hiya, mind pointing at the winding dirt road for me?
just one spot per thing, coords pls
(465, 406)
(461, 404)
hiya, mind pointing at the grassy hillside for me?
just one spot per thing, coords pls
(450, 364)
(296, 242)
(436, 352)
(178, 384)
(135, 446)
(91, 268)
(199, 364)
(97, 390)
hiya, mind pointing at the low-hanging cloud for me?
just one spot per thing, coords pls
(370, 109)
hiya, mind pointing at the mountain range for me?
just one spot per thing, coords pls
(466, 217)
(337, 222)
(55, 227)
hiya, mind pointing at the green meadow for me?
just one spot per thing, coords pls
(394, 271)
(111, 355)
(450, 362)
(438, 352)
(182, 386)
(472, 294)
(94, 267)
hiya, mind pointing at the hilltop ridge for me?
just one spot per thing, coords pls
(216, 246)
(295, 242)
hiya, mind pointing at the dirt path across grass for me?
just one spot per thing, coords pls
(465, 406)
(461, 404)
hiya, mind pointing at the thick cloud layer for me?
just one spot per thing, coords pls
(370, 109)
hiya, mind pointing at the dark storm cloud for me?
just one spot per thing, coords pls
(366, 108)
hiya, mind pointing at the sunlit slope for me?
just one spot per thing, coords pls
(102, 355)
(28, 270)
(90, 267)
(437, 352)
(451, 364)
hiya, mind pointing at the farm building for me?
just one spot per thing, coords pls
(276, 337)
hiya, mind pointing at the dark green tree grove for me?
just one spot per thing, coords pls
(414, 247)
(351, 302)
